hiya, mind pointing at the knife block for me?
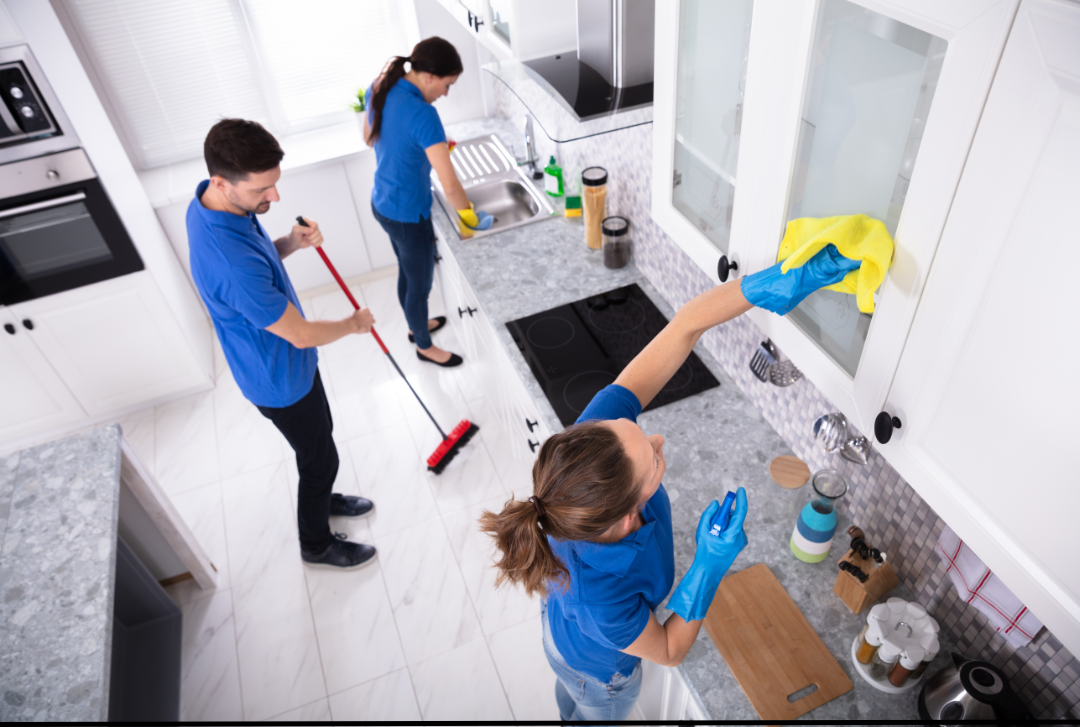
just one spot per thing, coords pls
(858, 596)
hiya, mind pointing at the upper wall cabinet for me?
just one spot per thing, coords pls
(518, 28)
(702, 50)
(987, 437)
(846, 107)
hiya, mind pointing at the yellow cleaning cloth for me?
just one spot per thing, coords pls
(857, 237)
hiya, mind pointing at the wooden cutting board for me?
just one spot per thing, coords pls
(771, 647)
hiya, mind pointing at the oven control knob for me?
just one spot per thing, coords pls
(52, 175)
(26, 111)
(16, 92)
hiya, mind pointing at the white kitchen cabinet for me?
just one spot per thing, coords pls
(518, 28)
(512, 427)
(665, 695)
(847, 107)
(983, 390)
(115, 344)
(33, 395)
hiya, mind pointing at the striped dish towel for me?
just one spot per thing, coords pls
(978, 586)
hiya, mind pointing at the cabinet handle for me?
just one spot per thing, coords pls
(438, 258)
(477, 22)
(470, 17)
(461, 312)
(724, 267)
(531, 424)
(533, 445)
(28, 324)
(884, 425)
(11, 329)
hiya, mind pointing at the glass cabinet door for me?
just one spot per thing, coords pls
(870, 85)
(711, 76)
(500, 19)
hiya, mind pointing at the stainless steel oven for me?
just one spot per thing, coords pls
(58, 229)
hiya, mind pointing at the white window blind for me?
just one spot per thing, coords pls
(172, 69)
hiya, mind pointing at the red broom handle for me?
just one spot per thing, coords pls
(334, 272)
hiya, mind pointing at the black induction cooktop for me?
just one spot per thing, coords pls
(579, 348)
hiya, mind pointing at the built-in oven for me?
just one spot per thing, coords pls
(58, 229)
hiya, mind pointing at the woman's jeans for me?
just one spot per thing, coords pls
(414, 245)
(585, 698)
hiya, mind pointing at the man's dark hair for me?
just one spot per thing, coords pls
(235, 148)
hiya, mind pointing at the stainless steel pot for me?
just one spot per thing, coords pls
(969, 690)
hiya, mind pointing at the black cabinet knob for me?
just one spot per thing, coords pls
(884, 426)
(533, 445)
(462, 311)
(9, 328)
(438, 258)
(28, 324)
(532, 424)
(724, 267)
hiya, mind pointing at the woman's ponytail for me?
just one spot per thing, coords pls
(583, 483)
(432, 55)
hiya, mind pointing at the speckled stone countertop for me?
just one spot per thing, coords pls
(58, 516)
(716, 441)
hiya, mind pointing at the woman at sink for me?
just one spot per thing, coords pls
(595, 540)
(408, 138)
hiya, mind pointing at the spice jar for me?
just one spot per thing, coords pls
(906, 665)
(616, 242)
(869, 641)
(884, 660)
(930, 647)
(593, 199)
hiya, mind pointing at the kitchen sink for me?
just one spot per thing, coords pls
(495, 184)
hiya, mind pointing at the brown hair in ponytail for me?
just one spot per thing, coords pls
(585, 483)
(432, 55)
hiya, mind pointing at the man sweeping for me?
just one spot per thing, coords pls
(268, 343)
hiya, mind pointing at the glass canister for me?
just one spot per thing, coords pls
(593, 200)
(884, 660)
(814, 529)
(905, 667)
(616, 241)
(869, 642)
(930, 647)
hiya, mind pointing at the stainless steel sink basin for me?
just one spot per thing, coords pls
(495, 184)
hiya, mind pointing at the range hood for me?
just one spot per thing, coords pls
(613, 68)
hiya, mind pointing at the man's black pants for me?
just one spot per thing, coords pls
(308, 427)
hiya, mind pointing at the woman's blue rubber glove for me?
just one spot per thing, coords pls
(780, 292)
(714, 555)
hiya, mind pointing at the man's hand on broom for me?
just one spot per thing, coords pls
(362, 320)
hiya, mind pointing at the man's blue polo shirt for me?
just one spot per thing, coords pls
(243, 282)
(402, 190)
(613, 586)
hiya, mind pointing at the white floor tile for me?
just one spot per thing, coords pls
(390, 472)
(334, 305)
(469, 478)
(461, 685)
(389, 698)
(203, 512)
(317, 711)
(209, 669)
(246, 439)
(367, 395)
(523, 669)
(186, 450)
(358, 638)
(498, 608)
(280, 667)
(260, 527)
(430, 601)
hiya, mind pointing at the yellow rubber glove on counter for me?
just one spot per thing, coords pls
(857, 237)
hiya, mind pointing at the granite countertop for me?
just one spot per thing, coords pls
(58, 517)
(716, 441)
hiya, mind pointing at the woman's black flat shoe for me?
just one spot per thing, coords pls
(440, 320)
(454, 360)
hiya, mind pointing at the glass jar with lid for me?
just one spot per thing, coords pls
(616, 241)
(593, 201)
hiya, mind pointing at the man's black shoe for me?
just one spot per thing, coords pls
(341, 554)
(349, 506)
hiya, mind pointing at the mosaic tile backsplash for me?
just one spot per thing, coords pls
(895, 518)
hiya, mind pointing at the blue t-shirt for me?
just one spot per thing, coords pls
(243, 282)
(410, 125)
(613, 586)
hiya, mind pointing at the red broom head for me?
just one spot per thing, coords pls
(457, 438)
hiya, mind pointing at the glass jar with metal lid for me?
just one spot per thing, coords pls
(617, 244)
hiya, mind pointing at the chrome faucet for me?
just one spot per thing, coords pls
(530, 148)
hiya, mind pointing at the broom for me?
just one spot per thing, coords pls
(459, 435)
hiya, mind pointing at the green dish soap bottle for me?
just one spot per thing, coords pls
(553, 181)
